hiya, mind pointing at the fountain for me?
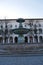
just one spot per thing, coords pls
(20, 31)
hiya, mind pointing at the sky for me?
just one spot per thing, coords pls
(12, 9)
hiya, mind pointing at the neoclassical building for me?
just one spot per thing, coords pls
(9, 26)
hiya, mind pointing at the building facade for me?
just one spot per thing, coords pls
(35, 34)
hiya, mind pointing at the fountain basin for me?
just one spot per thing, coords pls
(20, 31)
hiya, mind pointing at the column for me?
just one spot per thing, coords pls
(28, 39)
(8, 41)
(38, 40)
(33, 39)
(13, 40)
(3, 41)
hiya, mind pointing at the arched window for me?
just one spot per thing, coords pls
(6, 31)
(25, 25)
(40, 31)
(1, 26)
(6, 26)
(16, 26)
(39, 25)
(10, 26)
(1, 31)
(35, 31)
(35, 25)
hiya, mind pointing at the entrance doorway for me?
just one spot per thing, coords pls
(41, 39)
(1, 40)
(31, 39)
(36, 39)
(26, 39)
(6, 39)
(16, 39)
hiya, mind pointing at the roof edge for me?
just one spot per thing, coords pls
(23, 18)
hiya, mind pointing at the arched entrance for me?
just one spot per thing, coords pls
(36, 39)
(1, 40)
(6, 39)
(41, 39)
(26, 39)
(31, 39)
(11, 39)
(16, 39)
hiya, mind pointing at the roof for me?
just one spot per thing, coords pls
(24, 18)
